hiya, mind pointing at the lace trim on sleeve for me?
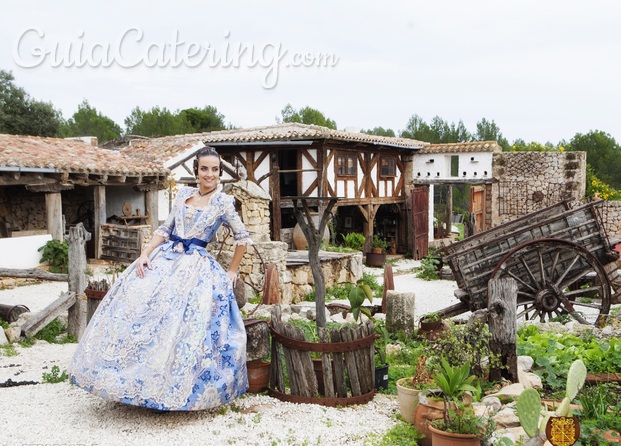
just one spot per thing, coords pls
(242, 238)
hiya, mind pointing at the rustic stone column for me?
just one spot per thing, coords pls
(54, 211)
(400, 311)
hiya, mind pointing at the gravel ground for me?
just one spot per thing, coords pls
(63, 414)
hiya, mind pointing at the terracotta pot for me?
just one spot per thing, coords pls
(258, 375)
(95, 294)
(431, 330)
(441, 438)
(429, 410)
(299, 240)
(408, 400)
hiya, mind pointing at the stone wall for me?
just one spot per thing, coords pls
(529, 181)
(338, 268)
(22, 210)
(611, 219)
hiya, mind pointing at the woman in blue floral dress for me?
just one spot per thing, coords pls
(168, 335)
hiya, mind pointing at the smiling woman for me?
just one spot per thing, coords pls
(169, 335)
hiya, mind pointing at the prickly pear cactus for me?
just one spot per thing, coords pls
(564, 409)
(528, 410)
(575, 378)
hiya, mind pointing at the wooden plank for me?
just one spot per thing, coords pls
(293, 383)
(326, 365)
(33, 273)
(277, 380)
(76, 319)
(350, 363)
(40, 319)
(370, 329)
(362, 361)
(99, 193)
(308, 378)
(339, 367)
(54, 215)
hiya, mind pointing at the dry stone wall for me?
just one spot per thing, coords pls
(528, 181)
(611, 219)
(22, 210)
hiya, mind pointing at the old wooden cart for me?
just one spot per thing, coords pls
(560, 257)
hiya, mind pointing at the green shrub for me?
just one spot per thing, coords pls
(56, 253)
(354, 240)
(55, 376)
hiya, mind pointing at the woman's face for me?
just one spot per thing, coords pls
(208, 172)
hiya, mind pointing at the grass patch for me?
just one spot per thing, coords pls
(403, 434)
(55, 333)
(7, 350)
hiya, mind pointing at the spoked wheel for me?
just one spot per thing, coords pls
(556, 278)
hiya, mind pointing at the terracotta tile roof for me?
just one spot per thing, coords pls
(69, 156)
(167, 147)
(462, 147)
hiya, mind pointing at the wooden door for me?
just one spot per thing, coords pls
(477, 207)
(420, 221)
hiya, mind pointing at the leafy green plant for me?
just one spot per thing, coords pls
(454, 381)
(403, 434)
(55, 333)
(380, 343)
(357, 296)
(596, 400)
(379, 243)
(429, 268)
(462, 343)
(354, 240)
(55, 376)
(56, 253)
(554, 352)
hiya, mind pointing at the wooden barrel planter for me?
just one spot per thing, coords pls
(347, 359)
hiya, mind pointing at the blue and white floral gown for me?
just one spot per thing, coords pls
(175, 339)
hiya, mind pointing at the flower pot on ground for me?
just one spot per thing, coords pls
(409, 389)
(430, 326)
(442, 438)
(381, 377)
(408, 399)
(454, 383)
(258, 375)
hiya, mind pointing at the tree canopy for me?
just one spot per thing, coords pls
(379, 131)
(163, 122)
(306, 115)
(206, 119)
(87, 121)
(603, 155)
(156, 122)
(438, 131)
(22, 115)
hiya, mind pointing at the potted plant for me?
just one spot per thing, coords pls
(377, 256)
(381, 364)
(409, 389)
(461, 426)
(451, 398)
(430, 326)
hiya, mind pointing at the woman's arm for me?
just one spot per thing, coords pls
(144, 255)
(237, 258)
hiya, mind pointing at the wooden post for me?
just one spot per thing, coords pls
(99, 193)
(151, 204)
(503, 326)
(449, 210)
(275, 191)
(54, 211)
(78, 236)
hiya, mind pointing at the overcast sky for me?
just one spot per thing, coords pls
(543, 70)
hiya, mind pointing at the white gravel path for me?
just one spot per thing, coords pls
(63, 414)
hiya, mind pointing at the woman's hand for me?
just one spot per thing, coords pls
(233, 276)
(142, 261)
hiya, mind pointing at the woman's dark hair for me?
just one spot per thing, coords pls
(206, 151)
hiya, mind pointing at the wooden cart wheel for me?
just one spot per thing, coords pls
(557, 277)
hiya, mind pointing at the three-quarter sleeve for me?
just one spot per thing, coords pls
(240, 235)
(167, 227)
